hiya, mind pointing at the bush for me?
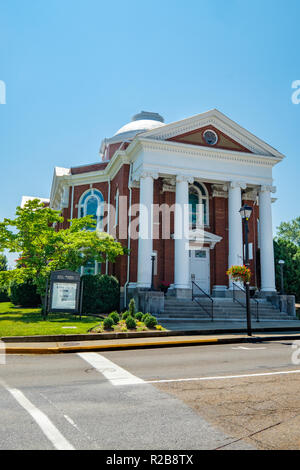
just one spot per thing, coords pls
(24, 295)
(115, 317)
(132, 308)
(125, 315)
(145, 316)
(108, 323)
(150, 321)
(4, 297)
(101, 293)
(139, 316)
(130, 322)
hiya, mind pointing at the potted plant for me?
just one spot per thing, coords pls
(239, 273)
(164, 286)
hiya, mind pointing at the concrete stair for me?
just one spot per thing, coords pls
(224, 309)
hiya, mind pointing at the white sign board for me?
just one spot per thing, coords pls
(64, 295)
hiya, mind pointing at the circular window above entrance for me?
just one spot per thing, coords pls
(210, 137)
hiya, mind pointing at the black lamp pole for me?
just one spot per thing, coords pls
(246, 231)
(281, 264)
(246, 212)
(152, 275)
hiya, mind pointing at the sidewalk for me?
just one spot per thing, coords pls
(136, 343)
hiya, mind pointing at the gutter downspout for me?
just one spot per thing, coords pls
(72, 203)
(108, 221)
(129, 236)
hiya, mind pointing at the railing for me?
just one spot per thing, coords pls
(198, 294)
(239, 295)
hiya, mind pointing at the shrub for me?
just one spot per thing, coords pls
(108, 323)
(130, 322)
(150, 321)
(132, 308)
(115, 317)
(145, 316)
(125, 315)
(101, 293)
(139, 316)
(4, 297)
(24, 294)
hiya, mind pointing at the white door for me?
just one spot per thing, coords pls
(199, 267)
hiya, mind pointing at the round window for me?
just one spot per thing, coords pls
(210, 137)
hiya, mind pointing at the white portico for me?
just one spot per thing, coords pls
(157, 155)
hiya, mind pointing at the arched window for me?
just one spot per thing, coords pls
(198, 201)
(91, 203)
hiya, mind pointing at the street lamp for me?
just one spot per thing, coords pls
(281, 264)
(246, 212)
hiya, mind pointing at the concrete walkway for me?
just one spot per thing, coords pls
(175, 324)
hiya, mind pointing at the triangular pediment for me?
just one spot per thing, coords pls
(231, 136)
(197, 137)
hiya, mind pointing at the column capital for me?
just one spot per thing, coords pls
(267, 188)
(146, 174)
(184, 178)
(237, 184)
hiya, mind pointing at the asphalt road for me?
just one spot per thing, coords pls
(171, 398)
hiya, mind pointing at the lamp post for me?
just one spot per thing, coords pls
(281, 264)
(152, 272)
(246, 212)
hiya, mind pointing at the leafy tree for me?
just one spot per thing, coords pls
(43, 249)
(290, 254)
(290, 231)
(3, 262)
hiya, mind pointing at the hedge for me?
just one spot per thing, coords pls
(24, 295)
(4, 297)
(101, 293)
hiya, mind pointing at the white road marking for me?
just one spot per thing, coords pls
(111, 371)
(248, 349)
(224, 377)
(51, 432)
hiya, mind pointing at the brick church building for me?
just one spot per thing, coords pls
(206, 162)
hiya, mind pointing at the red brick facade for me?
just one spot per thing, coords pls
(218, 225)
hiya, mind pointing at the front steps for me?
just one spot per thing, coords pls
(224, 309)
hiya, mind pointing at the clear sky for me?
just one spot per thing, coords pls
(76, 71)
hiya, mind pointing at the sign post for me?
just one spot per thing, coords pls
(65, 292)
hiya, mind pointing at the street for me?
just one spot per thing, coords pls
(241, 396)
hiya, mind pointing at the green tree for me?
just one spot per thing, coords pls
(290, 253)
(43, 249)
(290, 231)
(3, 262)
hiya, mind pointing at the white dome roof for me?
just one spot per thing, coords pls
(141, 122)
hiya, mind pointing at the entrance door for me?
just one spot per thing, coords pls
(199, 267)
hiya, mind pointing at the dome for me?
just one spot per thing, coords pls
(142, 122)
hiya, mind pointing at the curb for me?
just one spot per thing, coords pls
(141, 335)
(144, 345)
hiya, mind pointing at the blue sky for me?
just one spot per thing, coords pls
(76, 71)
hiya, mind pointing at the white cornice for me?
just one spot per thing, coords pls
(205, 152)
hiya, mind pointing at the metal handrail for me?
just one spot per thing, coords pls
(195, 297)
(244, 305)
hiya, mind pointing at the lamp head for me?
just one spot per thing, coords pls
(246, 212)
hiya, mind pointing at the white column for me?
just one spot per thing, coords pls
(145, 245)
(235, 238)
(182, 267)
(267, 266)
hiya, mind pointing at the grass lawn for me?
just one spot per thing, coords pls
(15, 321)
